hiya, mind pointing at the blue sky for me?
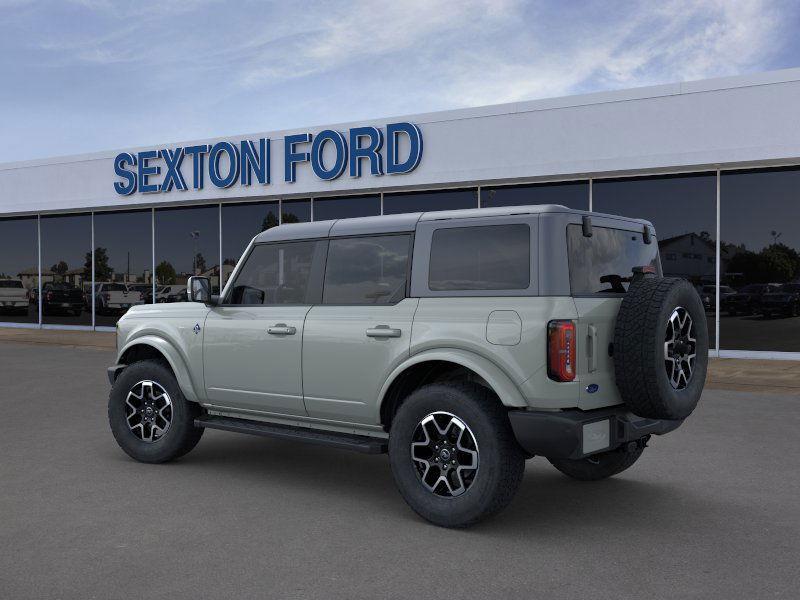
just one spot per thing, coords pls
(85, 75)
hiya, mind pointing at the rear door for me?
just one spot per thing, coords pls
(600, 269)
(362, 329)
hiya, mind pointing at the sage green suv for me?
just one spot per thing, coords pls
(462, 343)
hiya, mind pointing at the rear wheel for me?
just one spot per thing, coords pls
(453, 455)
(149, 417)
(599, 466)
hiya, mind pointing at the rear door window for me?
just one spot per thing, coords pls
(486, 257)
(604, 262)
(367, 270)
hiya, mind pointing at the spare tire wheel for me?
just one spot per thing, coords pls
(661, 348)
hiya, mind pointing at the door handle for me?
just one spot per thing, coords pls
(383, 331)
(282, 329)
(592, 366)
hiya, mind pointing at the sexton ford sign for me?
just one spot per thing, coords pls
(330, 153)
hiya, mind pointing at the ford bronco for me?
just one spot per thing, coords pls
(462, 343)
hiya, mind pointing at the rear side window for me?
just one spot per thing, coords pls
(275, 274)
(604, 262)
(486, 257)
(366, 270)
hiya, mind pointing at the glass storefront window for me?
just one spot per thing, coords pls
(19, 270)
(240, 224)
(429, 201)
(346, 207)
(67, 269)
(123, 263)
(187, 243)
(683, 209)
(760, 260)
(572, 194)
(296, 211)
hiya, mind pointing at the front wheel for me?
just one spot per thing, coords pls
(149, 417)
(453, 454)
(599, 466)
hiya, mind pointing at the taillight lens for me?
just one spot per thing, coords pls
(49, 296)
(561, 350)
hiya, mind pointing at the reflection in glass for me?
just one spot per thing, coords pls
(760, 260)
(240, 224)
(19, 270)
(368, 270)
(67, 269)
(123, 263)
(296, 211)
(683, 209)
(346, 207)
(187, 243)
(572, 194)
(429, 201)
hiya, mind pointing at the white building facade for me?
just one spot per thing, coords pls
(714, 164)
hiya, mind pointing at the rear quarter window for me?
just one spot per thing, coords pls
(482, 257)
(604, 262)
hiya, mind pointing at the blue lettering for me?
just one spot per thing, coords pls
(213, 164)
(173, 176)
(393, 132)
(371, 151)
(318, 147)
(122, 159)
(146, 171)
(255, 162)
(291, 158)
(197, 153)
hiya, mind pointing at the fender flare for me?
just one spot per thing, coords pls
(176, 361)
(498, 380)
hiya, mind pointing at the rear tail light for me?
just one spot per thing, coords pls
(49, 296)
(106, 296)
(561, 350)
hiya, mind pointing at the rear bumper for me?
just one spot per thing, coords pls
(578, 433)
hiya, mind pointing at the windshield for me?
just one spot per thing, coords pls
(791, 288)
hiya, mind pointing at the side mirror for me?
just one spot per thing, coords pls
(199, 289)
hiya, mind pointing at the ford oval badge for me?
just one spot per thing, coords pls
(592, 388)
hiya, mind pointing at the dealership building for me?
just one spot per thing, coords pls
(714, 164)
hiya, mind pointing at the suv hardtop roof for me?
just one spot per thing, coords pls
(408, 221)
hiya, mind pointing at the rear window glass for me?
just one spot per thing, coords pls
(604, 262)
(486, 257)
(10, 283)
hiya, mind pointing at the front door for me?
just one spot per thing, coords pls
(362, 329)
(252, 349)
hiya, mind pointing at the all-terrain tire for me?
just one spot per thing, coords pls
(643, 373)
(598, 466)
(181, 435)
(500, 460)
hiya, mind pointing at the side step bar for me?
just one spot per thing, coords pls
(345, 441)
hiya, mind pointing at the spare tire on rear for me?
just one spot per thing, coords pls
(661, 348)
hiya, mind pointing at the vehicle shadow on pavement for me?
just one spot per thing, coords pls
(548, 503)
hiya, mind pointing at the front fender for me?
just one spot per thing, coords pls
(497, 379)
(177, 360)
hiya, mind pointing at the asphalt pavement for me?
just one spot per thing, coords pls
(710, 511)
